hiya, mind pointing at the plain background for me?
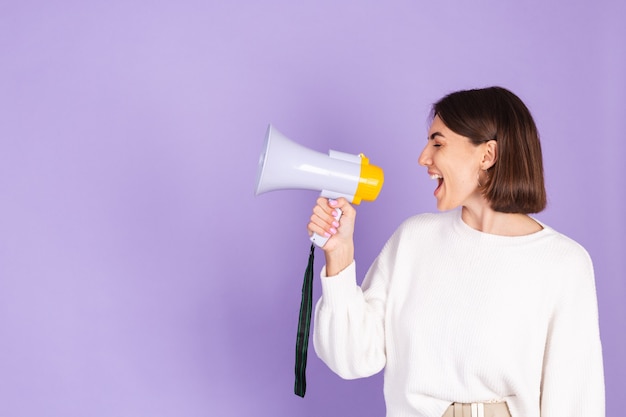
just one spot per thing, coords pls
(139, 274)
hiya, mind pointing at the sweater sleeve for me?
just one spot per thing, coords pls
(573, 376)
(349, 324)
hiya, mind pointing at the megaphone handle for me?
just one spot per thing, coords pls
(320, 241)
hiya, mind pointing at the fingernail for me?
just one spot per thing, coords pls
(332, 202)
(333, 230)
(326, 234)
(336, 224)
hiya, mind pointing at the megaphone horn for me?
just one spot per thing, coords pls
(284, 164)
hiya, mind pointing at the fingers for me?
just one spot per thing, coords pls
(339, 248)
(324, 220)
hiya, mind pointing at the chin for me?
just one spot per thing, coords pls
(442, 206)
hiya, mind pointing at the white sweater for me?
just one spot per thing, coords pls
(456, 315)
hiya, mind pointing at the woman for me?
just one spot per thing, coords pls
(480, 310)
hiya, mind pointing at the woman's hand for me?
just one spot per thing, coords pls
(339, 249)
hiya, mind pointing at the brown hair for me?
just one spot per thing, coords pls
(515, 182)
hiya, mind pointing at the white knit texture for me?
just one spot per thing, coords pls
(456, 315)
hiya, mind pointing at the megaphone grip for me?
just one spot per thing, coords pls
(320, 241)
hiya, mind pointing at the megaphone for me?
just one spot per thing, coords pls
(284, 164)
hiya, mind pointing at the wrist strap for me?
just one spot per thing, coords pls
(304, 325)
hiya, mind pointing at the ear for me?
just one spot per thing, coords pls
(490, 154)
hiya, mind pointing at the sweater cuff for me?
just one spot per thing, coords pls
(339, 289)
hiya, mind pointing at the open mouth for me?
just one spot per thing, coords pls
(439, 179)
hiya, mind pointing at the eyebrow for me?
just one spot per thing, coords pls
(435, 134)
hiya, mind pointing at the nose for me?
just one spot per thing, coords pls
(425, 157)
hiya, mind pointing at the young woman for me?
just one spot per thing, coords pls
(480, 310)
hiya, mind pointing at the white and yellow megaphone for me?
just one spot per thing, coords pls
(285, 164)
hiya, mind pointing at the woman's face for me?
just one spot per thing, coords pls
(454, 162)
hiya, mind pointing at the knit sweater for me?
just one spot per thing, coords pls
(453, 314)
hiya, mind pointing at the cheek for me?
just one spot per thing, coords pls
(463, 180)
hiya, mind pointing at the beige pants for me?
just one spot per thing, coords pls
(478, 410)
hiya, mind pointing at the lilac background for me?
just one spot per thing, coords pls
(139, 274)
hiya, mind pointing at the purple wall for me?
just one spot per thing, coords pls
(139, 274)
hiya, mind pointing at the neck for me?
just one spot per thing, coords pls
(484, 219)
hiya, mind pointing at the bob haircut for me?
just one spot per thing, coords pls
(515, 182)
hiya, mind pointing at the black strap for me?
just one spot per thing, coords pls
(304, 325)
